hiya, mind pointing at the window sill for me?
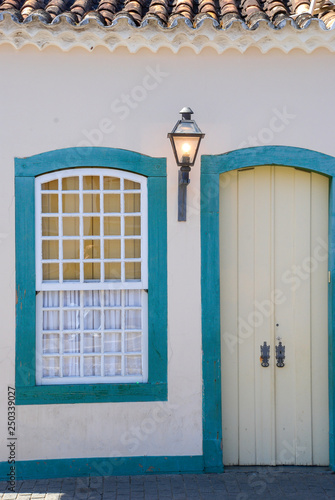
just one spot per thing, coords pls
(91, 393)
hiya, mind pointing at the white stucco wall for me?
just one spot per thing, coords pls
(52, 100)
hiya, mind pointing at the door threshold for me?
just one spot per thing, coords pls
(277, 469)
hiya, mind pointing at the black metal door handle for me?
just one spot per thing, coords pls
(265, 355)
(280, 355)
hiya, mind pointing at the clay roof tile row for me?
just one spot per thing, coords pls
(250, 12)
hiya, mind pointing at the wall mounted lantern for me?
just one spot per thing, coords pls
(185, 139)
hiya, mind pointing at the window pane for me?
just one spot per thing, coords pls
(71, 366)
(72, 298)
(71, 343)
(50, 272)
(133, 365)
(91, 271)
(111, 203)
(113, 319)
(132, 226)
(50, 367)
(50, 320)
(112, 271)
(112, 226)
(132, 249)
(112, 249)
(50, 186)
(131, 184)
(70, 184)
(71, 319)
(91, 298)
(50, 249)
(91, 182)
(111, 183)
(91, 203)
(71, 249)
(112, 342)
(91, 226)
(91, 249)
(49, 203)
(70, 203)
(71, 226)
(112, 297)
(92, 342)
(133, 342)
(132, 202)
(133, 298)
(50, 343)
(112, 366)
(71, 271)
(92, 320)
(50, 299)
(49, 226)
(92, 366)
(133, 270)
(133, 319)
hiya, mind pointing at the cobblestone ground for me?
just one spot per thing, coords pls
(235, 484)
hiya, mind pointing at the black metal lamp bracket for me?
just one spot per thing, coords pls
(183, 182)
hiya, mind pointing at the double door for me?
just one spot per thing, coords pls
(274, 290)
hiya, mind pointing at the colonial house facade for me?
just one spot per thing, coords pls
(133, 342)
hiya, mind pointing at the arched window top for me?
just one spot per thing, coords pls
(94, 171)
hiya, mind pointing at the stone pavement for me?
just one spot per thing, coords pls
(243, 483)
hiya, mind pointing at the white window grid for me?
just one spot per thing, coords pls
(91, 284)
(101, 286)
(52, 335)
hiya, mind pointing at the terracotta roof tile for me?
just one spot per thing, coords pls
(274, 8)
(107, 10)
(56, 7)
(326, 13)
(80, 8)
(29, 6)
(224, 12)
(228, 7)
(10, 4)
(208, 7)
(159, 8)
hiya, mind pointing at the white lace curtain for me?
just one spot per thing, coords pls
(90, 333)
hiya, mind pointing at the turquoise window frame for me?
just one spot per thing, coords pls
(26, 169)
(211, 168)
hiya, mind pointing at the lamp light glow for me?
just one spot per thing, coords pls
(186, 148)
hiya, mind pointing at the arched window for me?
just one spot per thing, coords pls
(91, 276)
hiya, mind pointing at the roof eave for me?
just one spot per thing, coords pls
(153, 35)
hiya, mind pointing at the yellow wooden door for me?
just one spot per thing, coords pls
(274, 280)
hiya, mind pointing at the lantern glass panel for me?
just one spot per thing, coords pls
(187, 127)
(186, 148)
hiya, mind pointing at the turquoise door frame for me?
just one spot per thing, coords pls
(211, 168)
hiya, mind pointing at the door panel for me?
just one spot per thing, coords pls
(283, 261)
(229, 302)
(319, 322)
(246, 276)
(273, 257)
(262, 322)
